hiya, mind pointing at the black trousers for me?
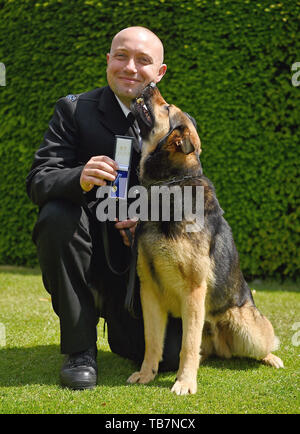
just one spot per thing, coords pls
(71, 256)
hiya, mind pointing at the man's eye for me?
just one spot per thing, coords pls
(144, 60)
(120, 56)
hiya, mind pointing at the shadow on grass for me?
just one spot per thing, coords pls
(33, 365)
(41, 365)
(235, 364)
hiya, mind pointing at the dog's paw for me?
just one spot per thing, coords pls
(274, 361)
(184, 387)
(140, 377)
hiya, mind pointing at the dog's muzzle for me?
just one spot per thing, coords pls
(140, 106)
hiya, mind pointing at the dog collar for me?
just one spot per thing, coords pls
(174, 180)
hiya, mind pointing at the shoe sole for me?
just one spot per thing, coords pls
(79, 386)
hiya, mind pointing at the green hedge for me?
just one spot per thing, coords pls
(229, 66)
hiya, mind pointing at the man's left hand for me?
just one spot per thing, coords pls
(131, 225)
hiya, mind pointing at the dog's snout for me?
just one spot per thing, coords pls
(149, 90)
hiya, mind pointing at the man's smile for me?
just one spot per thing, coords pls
(129, 79)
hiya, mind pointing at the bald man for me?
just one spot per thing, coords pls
(81, 259)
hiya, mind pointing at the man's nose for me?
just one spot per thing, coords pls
(131, 66)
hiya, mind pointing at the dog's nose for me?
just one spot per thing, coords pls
(149, 90)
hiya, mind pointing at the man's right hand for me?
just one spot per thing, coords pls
(97, 171)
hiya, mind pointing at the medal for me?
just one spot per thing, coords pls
(123, 149)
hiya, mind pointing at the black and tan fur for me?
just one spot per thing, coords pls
(192, 275)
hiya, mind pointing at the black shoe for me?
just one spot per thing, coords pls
(80, 370)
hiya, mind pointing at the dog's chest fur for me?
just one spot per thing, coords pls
(172, 265)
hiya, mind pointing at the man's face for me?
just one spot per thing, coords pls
(135, 59)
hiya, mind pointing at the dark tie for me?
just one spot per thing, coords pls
(134, 128)
(130, 118)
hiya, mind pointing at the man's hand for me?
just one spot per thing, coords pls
(97, 171)
(131, 224)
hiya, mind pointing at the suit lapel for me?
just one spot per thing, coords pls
(112, 116)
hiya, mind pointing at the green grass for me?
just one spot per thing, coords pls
(30, 363)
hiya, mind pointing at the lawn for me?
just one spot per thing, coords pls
(30, 361)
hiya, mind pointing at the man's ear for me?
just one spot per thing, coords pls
(107, 57)
(161, 72)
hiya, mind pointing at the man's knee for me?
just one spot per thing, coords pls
(57, 220)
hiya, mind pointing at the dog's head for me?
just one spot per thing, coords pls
(165, 129)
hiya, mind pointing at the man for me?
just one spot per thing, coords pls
(76, 255)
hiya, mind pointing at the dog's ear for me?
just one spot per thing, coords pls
(184, 138)
(184, 133)
(189, 142)
(191, 119)
(186, 144)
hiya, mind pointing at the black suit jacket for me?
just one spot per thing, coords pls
(82, 126)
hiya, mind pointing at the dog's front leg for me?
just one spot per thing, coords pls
(193, 313)
(155, 319)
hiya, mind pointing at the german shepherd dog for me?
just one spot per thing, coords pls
(192, 275)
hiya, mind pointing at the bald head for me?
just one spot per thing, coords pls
(135, 59)
(141, 33)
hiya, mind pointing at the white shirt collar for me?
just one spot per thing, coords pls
(125, 109)
(126, 112)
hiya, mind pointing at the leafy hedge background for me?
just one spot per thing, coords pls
(229, 65)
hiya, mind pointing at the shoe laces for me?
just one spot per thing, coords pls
(84, 358)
